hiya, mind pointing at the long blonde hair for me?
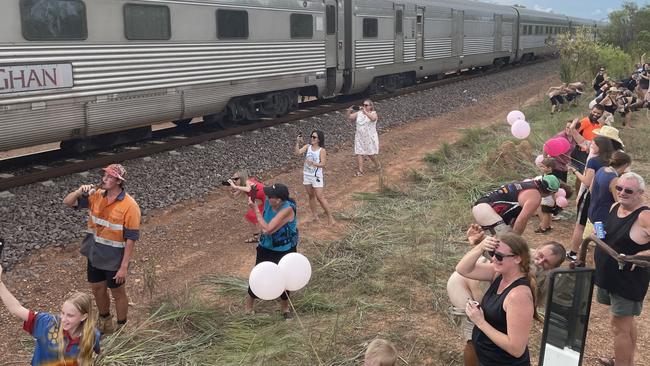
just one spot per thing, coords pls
(243, 177)
(519, 247)
(84, 304)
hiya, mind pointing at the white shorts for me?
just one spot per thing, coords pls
(314, 181)
(548, 201)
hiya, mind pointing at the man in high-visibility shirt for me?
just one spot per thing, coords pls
(113, 228)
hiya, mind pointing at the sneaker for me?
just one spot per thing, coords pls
(105, 325)
(287, 315)
(572, 256)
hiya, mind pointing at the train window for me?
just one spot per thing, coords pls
(399, 21)
(302, 25)
(370, 28)
(232, 24)
(330, 15)
(147, 22)
(53, 20)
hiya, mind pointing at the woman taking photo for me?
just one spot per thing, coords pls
(505, 316)
(240, 183)
(366, 140)
(279, 235)
(315, 162)
(68, 339)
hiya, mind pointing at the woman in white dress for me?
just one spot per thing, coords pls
(313, 180)
(366, 140)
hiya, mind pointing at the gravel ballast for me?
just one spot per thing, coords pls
(35, 217)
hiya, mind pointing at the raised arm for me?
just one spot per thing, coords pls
(468, 266)
(71, 200)
(352, 115)
(10, 301)
(372, 115)
(297, 150)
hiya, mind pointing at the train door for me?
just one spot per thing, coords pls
(498, 20)
(458, 34)
(345, 44)
(399, 33)
(331, 46)
(419, 31)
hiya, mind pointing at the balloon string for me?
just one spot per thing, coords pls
(320, 362)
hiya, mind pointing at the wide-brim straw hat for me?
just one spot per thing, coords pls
(609, 132)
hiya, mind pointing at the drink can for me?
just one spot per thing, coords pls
(600, 229)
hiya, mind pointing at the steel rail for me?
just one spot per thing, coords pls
(100, 161)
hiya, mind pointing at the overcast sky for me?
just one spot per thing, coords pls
(592, 9)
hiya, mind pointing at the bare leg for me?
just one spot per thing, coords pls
(318, 192)
(545, 220)
(469, 355)
(248, 304)
(100, 291)
(375, 160)
(458, 290)
(576, 237)
(312, 201)
(624, 329)
(284, 306)
(121, 302)
(360, 163)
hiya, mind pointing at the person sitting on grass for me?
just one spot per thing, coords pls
(544, 258)
(68, 339)
(513, 204)
(380, 352)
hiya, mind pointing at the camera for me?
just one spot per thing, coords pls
(225, 183)
(356, 108)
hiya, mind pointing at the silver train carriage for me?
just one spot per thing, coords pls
(75, 69)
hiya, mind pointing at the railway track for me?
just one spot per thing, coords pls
(56, 163)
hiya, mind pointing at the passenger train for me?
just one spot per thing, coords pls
(74, 70)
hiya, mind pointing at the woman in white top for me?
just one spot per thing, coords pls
(315, 161)
(366, 140)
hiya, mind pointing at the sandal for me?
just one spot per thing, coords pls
(253, 240)
(539, 230)
(359, 173)
(287, 315)
(606, 361)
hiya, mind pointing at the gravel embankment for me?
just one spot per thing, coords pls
(35, 216)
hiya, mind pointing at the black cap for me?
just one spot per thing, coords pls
(278, 190)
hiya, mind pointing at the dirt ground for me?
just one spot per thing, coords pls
(206, 236)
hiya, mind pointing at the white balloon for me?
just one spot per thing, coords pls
(520, 129)
(266, 281)
(515, 116)
(296, 270)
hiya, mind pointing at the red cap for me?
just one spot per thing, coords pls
(116, 171)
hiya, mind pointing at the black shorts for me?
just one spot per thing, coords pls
(96, 275)
(583, 207)
(558, 99)
(571, 97)
(579, 159)
(266, 255)
(552, 210)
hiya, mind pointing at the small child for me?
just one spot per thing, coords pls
(548, 206)
(380, 352)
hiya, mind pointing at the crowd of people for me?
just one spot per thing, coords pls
(495, 289)
(497, 286)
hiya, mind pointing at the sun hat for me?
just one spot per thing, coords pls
(550, 183)
(116, 171)
(609, 132)
(277, 190)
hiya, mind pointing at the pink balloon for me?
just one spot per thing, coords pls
(557, 146)
(520, 129)
(562, 202)
(560, 193)
(515, 116)
(539, 159)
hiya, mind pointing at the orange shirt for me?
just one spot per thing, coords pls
(586, 128)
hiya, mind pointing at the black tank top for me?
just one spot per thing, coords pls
(631, 285)
(489, 354)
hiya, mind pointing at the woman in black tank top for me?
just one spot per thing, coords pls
(505, 316)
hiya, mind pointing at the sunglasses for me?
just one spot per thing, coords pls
(234, 178)
(314, 137)
(626, 190)
(366, 105)
(499, 256)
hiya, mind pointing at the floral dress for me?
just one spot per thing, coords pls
(366, 140)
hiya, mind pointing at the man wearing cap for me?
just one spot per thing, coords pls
(513, 204)
(113, 228)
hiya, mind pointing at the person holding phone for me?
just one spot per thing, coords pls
(113, 229)
(241, 182)
(69, 338)
(505, 316)
(366, 139)
(313, 179)
(279, 223)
